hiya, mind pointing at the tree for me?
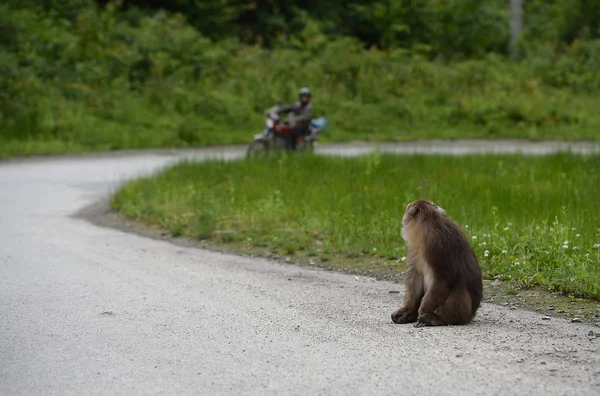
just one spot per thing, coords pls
(516, 24)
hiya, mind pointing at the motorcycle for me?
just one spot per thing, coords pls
(271, 140)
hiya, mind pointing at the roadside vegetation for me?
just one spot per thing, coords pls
(531, 220)
(79, 75)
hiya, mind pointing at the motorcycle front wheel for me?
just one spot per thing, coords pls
(257, 149)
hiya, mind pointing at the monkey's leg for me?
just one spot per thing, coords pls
(413, 292)
(434, 298)
(457, 309)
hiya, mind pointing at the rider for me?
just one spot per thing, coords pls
(302, 112)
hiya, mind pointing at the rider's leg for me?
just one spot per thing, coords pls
(289, 142)
(296, 133)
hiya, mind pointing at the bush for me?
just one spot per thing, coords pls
(97, 78)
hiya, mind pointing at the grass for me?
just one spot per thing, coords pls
(531, 220)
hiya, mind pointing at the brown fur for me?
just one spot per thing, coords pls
(443, 283)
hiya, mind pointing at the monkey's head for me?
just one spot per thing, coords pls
(417, 213)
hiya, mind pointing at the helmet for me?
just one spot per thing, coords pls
(304, 92)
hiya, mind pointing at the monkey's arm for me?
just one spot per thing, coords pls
(440, 253)
(435, 298)
(440, 260)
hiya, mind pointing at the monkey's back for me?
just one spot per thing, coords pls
(449, 253)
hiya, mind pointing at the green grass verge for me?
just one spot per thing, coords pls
(532, 220)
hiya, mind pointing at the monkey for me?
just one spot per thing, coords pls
(443, 280)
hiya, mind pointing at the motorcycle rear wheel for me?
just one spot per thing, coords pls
(307, 145)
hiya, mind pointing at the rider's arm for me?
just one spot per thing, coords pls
(286, 108)
(305, 115)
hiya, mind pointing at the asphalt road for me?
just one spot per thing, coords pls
(88, 310)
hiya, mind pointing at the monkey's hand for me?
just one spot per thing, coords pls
(430, 319)
(421, 324)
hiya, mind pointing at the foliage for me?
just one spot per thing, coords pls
(529, 219)
(77, 76)
(463, 27)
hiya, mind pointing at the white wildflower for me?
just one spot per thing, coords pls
(565, 242)
(506, 229)
(486, 253)
(504, 251)
(596, 246)
(565, 246)
(466, 226)
(474, 237)
(578, 235)
(403, 259)
(517, 263)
